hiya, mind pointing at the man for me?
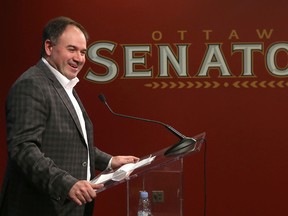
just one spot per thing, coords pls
(51, 154)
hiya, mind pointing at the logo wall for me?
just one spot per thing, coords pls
(185, 64)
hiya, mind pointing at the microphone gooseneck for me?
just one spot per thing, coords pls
(173, 130)
(185, 145)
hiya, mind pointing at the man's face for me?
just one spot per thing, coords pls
(68, 55)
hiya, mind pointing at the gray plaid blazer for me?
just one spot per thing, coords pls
(47, 153)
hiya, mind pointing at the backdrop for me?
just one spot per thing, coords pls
(218, 67)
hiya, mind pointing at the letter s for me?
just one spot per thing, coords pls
(111, 66)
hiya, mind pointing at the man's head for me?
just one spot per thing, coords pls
(64, 45)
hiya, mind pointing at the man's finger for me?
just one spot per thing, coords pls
(97, 186)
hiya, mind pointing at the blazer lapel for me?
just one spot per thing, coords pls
(66, 100)
(88, 123)
(62, 94)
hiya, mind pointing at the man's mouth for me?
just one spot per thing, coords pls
(74, 66)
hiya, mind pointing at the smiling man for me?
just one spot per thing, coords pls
(51, 152)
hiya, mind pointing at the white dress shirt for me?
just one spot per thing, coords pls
(68, 85)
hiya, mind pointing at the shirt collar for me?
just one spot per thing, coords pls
(65, 82)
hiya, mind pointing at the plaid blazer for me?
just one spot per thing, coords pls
(47, 153)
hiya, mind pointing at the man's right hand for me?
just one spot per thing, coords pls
(83, 192)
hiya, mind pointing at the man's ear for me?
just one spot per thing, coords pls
(48, 47)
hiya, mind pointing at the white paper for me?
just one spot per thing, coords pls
(122, 172)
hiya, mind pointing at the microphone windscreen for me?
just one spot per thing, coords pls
(102, 98)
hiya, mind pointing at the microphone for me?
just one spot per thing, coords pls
(178, 148)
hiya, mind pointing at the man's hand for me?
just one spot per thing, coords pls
(83, 192)
(118, 161)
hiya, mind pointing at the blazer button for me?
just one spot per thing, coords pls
(84, 164)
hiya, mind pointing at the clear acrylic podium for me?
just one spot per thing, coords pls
(160, 174)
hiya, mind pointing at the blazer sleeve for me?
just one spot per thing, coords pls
(26, 114)
(101, 160)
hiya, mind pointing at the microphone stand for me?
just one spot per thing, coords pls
(186, 144)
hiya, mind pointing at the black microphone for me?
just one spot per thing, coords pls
(178, 148)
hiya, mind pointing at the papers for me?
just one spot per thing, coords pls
(122, 172)
(102, 178)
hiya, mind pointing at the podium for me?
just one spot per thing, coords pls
(160, 174)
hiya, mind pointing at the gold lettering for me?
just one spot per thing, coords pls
(207, 32)
(234, 35)
(182, 34)
(157, 35)
(264, 33)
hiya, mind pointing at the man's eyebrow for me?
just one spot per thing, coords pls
(75, 47)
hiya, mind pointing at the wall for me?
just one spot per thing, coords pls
(213, 85)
